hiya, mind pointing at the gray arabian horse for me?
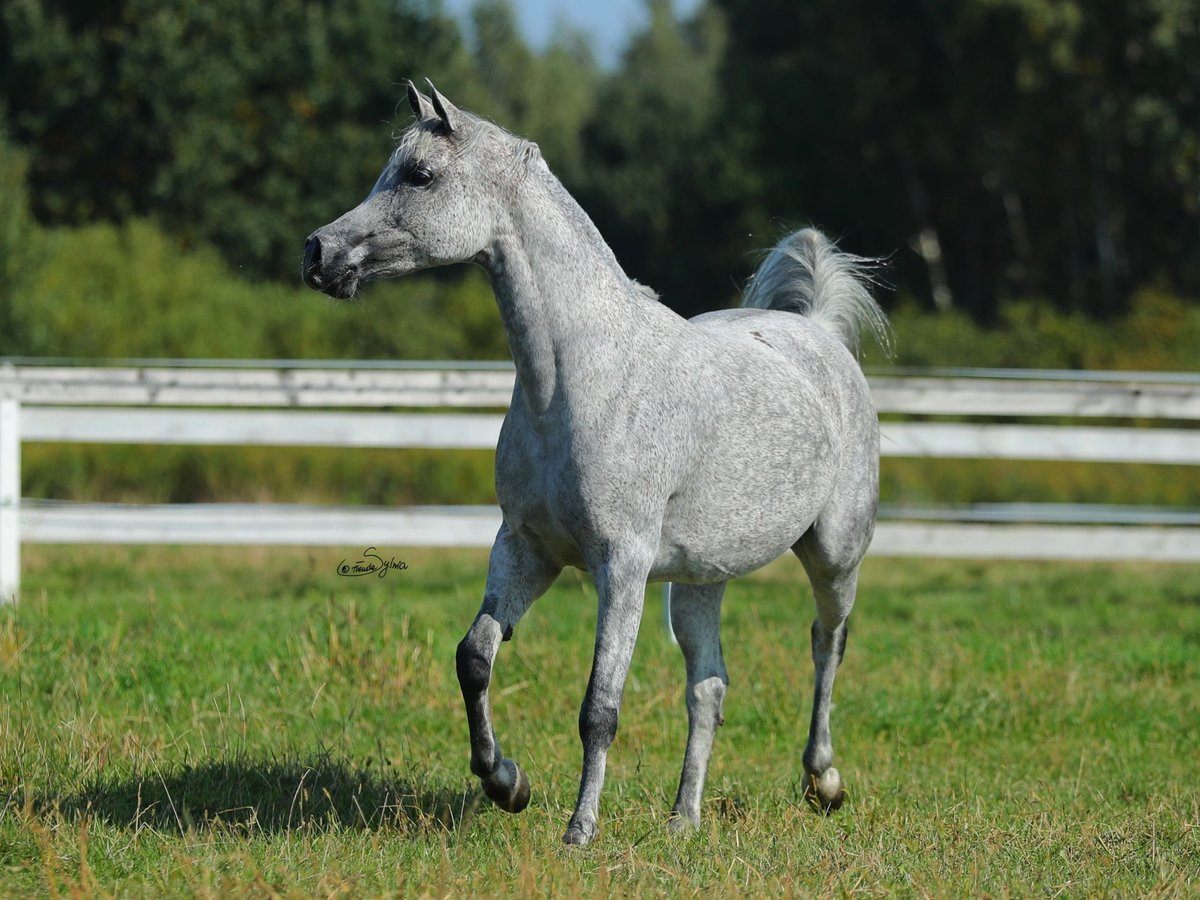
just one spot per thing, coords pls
(639, 446)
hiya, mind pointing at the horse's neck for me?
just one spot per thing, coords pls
(563, 297)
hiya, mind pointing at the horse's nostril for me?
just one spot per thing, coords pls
(311, 271)
(312, 253)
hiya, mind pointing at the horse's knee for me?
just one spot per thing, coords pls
(598, 722)
(473, 665)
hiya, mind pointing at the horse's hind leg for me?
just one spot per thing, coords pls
(516, 577)
(834, 575)
(696, 620)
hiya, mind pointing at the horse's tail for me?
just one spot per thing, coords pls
(805, 273)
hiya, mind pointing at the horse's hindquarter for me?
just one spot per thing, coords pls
(787, 412)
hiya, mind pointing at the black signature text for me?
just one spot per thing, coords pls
(370, 563)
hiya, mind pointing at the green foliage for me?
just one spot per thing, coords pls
(1051, 149)
(934, 483)
(1159, 333)
(131, 291)
(15, 222)
(665, 179)
(177, 153)
(199, 722)
(1000, 148)
(549, 97)
(16, 233)
(158, 474)
(240, 124)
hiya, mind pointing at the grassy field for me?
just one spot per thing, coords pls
(205, 722)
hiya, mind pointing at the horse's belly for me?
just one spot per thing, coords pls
(683, 565)
(704, 545)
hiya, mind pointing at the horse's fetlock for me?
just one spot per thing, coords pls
(714, 688)
(483, 768)
(817, 760)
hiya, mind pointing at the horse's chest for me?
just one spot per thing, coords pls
(541, 504)
(559, 495)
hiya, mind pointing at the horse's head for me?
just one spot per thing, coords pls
(437, 201)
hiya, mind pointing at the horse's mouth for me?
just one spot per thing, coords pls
(344, 286)
(341, 286)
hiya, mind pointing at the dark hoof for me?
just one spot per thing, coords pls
(824, 792)
(508, 787)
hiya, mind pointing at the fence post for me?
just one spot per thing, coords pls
(10, 501)
(667, 613)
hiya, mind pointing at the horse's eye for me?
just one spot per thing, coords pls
(419, 176)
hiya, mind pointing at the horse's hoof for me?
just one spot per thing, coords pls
(679, 823)
(578, 836)
(824, 792)
(508, 787)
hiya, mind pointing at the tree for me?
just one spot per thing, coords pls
(665, 176)
(1023, 146)
(15, 238)
(243, 123)
(547, 97)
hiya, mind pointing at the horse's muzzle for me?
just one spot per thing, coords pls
(341, 284)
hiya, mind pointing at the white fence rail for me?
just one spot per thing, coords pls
(353, 406)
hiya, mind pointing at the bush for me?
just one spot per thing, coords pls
(17, 235)
(1160, 333)
(130, 291)
(166, 474)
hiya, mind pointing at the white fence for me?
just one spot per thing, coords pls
(353, 406)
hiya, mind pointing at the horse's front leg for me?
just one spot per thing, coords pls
(517, 576)
(621, 588)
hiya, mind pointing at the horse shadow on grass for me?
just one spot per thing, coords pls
(271, 795)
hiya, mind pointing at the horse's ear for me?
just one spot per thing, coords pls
(531, 154)
(446, 111)
(418, 101)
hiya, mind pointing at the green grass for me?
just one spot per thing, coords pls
(207, 722)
